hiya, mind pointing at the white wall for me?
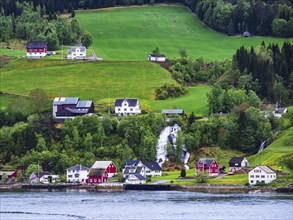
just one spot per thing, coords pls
(35, 55)
(70, 176)
(258, 175)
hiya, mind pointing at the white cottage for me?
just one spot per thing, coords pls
(127, 106)
(77, 173)
(77, 52)
(261, 174)
(157, 58)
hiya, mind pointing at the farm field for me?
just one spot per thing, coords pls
(194, 101)
(131, 33)
(98, 81)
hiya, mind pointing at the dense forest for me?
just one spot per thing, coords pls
(259, 17)
(31, 23)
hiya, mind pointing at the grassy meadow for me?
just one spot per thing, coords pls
(98, 81)
(131, 33)
(195, 100)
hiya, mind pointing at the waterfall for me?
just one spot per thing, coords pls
(169, 134)
(262, 146)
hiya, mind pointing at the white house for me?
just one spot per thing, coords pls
(152, 169)
(77, 52)
(261, 174)
(43, 177)
(127, 106)
(135, 167)
(135, 179)
(279, 111)
(237, 163)
(77, 173)
(157, 58)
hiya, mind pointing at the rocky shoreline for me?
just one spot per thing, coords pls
(151, 187)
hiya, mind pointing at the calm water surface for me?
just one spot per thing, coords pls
(73, 204)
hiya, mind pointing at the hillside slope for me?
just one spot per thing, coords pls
(131, 33)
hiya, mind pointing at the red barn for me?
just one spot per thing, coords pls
(10, 174)
(209, 165)
(36, 49)
(97, 176)
(109, 166)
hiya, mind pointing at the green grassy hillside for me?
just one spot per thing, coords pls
(275, 154)
(98, 81)
(131, 33)
(195, 100)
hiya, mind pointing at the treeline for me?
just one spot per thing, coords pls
(268, 71)
(237, 16)
(228, 16)
(170, 91)
(29, 23)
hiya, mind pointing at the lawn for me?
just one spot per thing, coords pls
(12, 52)
(275, 153)
(131, 33)
(194, 101)
(5, 100)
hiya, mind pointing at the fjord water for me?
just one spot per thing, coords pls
(79, 204)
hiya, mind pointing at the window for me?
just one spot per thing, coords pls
(263, 176)
(251, 181)
(251, 176)
(125, 109)
(95, 180)
(69, 176)
(131, 109)
(257, 176)
(118, 109)
(91, 180)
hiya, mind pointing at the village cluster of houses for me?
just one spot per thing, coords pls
(258, 174)
(136, 172)
(39, 49)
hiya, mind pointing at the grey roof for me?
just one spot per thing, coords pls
(266, 169)
(132, 102)
(172, 111)
(138, 176)
(206, 161)
(36, 44)
(158, 55)
(280, 110)
(40, 174)
(84, 104)
(65, 100)
(130, 163)
(236, 160)
(152, 165)
(78, 167)
(97, 172)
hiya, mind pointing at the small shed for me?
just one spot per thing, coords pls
(173, 112)
(246, 34)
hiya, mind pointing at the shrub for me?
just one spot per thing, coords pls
(183, 172)
(202, 177)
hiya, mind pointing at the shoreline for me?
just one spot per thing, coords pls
(149, 187)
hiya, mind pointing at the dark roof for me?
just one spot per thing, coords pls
(207, 161)
(40, 174)
(132, 170)
(236, 160)
(158, 55)
(65, 101)
(280, 110)
(78, 167)
(84, 104)
(173, 111)
(96, 172)
(152, 165)
(36, 44)
(130, 163)
(131, 102)
(138, 176)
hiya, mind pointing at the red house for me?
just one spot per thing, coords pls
(10, 174)
(109, 166)
(208, 165)
(36, 49)
(97, 176)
